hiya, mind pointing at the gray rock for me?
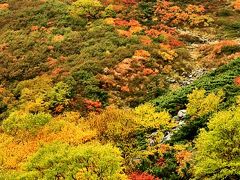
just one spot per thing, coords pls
(154, 133)
(182, 113)
(181, 123)
(167, 137)
(176, 118)
(152, 142)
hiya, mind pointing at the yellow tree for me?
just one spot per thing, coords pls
(85, 8)
(217, 154)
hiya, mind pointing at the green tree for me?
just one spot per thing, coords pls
(146, 116)
(113, 123)
(40, 95)
(32, 94)
(201, 104)
(217, 153)
(20, 122)
(88, 161)
(59, 95)
(86, 8)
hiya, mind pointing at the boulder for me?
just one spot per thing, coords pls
(182, 113)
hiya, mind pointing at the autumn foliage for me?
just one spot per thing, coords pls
(236, 5)
(109, 89)
(237, 81)
(142, 176)
(170, 14)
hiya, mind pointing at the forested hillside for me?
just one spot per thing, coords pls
(119, 89)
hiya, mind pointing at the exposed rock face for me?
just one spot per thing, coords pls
(182, 113)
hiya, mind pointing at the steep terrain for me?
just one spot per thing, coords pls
(119, 89)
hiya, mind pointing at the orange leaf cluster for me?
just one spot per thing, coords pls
(133, 25)
(58, 38)
(129, 2)
(145, 40)
(92, 105)
(142, 176)
(51, 61)
(165, 29)
(142, 53)
(233, 56)
(121, 22)
(107, 81)
(57, 71)
(124, 33)
(161, 162)
(183, 157)
(174, 42)
(236, 5)
(216, 49)
(34, 28)
(237, 81)
(4, 6)
(164, 148)
(195, 9)
(153, 33)
(167, 69)
(135, 29)
(3, 47)
(59, 108)
(37, 28)
(125, 89)
(50, 48)
(173, 15)
(147, 71)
